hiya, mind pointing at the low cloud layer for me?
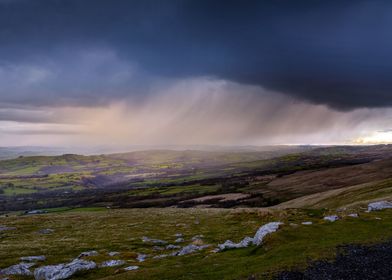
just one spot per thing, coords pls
(195, 111)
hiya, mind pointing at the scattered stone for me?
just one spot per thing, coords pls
(33, 259)
(4, 228)
(18, 269)
(377, 218)
(293, 224)
(247, 241)
(190, 249)
(132, 267)
(161, 256)
(46, 231)
(180, 225)
(88, 254)
(307, 223)
(141, 257)
(380, 205)
(158, 248)
(112, 263)
(179, 240)
(197, 237)
(154, 241)
(178, 235)
(256, 240)
(332, 218)
(112, 254)
(63, 271)
(171, 247)
(197, 222)
(353, 215)
(35, 212)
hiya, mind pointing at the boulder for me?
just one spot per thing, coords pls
(178, 235)
(35, 212)
(132, 267)
(171, 247)
(63, 271)
(18, 269)
(112, 254)
(307, 223)
(380, 205)
(33, 259)
(197, 237)
(112, 263)
(353, 215)
(88, 254)
(46, 231)
(179, 240)
(141, 257)
(332, 218)
(154, 241)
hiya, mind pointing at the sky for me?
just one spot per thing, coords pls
(195, 72)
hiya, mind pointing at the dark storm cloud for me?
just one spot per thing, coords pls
(331, 52)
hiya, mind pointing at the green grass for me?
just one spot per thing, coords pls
(78, 230)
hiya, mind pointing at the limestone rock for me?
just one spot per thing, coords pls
(33, 259)
(63, 271)
(379, 205)
(132, 267)
(332, 218)
(88, 254)
(18, 269)
(112, 263)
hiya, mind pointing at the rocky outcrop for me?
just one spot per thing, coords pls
(264, 230)
(379, 205)
(63, 271)
(18, 269)
(256, 240)
(190, 249)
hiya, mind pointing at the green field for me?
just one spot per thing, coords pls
(104, 230)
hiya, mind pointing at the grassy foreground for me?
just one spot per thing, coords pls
(108, 230)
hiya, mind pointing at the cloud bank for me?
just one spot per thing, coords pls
(335, 53)
(124, 72)
(192, 112)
